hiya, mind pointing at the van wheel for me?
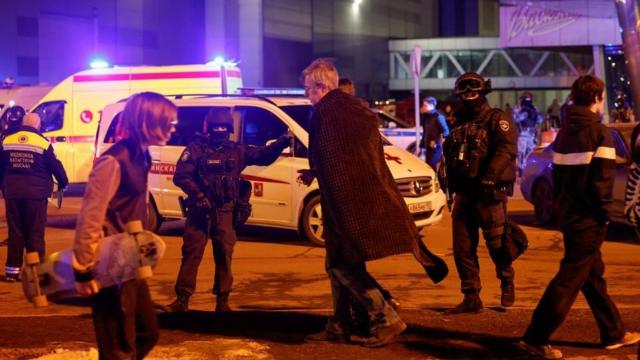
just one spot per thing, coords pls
(154, 220)
(312, 226)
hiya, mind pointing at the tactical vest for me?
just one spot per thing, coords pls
(467, 146)
(219, 170)
(130, 201)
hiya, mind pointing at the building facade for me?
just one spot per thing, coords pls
(273, 40)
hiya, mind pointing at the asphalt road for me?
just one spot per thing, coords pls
(281, 294)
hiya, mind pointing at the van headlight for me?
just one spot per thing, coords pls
(436, 184)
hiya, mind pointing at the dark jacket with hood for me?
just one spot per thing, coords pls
(584, 160)
(364, 214)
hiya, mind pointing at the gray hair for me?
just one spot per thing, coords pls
(322, 71)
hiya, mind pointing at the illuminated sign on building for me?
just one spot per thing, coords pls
(530, 26)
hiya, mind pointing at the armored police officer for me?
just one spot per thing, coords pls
(208, 171)
(480, 156)
(28, 162)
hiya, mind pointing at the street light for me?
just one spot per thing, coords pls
(355, 7)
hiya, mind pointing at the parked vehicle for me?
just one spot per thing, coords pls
(70, 111)
(278, 199)
(537, 182)
(397, 131)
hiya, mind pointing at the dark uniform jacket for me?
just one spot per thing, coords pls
(434, 126)
(584, 160)
(187, 175)
(28, 161)
(364, 214)
(495, 156)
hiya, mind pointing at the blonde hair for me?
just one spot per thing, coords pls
(31, 119)
(145, 112)
(322, 71)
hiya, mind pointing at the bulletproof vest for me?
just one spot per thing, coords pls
(130, 201)
(467, 146)
(219, 170)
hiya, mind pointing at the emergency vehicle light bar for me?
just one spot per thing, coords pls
(272, 91)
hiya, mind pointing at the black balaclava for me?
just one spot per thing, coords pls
(218, 136)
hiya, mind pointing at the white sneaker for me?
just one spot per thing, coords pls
(628, 339)
(543, 351)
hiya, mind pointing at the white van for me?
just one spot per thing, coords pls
(278, 200)
(70, 111)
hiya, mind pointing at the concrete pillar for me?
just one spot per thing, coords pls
(598, 70)
(250, 40)
(214, 29)
(629, 18)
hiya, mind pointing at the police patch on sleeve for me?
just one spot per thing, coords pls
(504, 125)
(185, 156)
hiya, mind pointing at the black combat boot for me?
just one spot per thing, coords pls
(470, 304)
(180, 304)
(508, 293)
(222, 303)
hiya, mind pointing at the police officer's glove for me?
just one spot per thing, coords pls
(284, 141)
(488, 188)
(202, 203)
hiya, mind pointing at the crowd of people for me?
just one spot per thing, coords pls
(479, 158)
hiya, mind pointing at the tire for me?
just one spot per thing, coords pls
(154, 220)
(542, 198)
(311, 221)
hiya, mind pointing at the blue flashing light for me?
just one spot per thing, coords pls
(217, 61)
(272, 91)
(98, 64)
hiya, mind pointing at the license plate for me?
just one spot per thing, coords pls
(420, 207)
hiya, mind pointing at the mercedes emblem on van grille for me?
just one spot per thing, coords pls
(416, 187)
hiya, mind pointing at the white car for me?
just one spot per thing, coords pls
(278, 199)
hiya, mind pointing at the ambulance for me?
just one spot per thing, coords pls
(278, 200)
(70, 111)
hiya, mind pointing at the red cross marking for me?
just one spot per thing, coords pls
(392, 158)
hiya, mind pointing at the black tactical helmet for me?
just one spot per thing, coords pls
(472, 82)
(217, 118)
(15, 115)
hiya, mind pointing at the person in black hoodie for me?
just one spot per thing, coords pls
(583, 174)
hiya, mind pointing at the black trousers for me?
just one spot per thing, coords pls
(125, 321)
(197, 231)
(26, 220)
(470, 214)
(581, 269)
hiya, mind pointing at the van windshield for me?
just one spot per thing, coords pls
(302, 115)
